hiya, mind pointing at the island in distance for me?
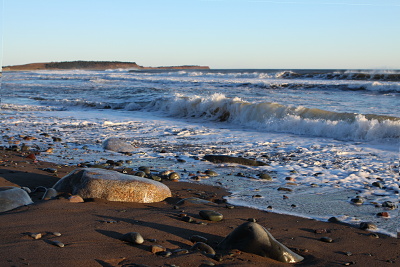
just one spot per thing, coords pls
(94, 65)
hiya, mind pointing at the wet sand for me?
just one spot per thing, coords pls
(91, 231)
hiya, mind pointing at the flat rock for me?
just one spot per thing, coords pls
(112, 186)
(229, 159)
(117, 145)
(194, 200)
(253, 238)
(211, 215)
(13, 197)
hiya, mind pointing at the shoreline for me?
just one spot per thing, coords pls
(91, 230)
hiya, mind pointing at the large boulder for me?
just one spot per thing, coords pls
(112, 186)
(253, 238)
(117, 145)
(13, 197)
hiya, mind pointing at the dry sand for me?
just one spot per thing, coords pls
(91, 230)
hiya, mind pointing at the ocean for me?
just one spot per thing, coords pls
(327, 137)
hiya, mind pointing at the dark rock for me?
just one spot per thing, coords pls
(50, 193)
(326, 239)
(285, 189)
(174, 176)
(265, 176)
(198, 238)
(229, 159)
(389, 205)
(211, 173)
(253, 238)
(133, 237)
(368, 226)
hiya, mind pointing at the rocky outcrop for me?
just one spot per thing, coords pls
(93, 65)
(13, 197)
(112, 186)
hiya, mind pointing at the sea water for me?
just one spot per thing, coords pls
(326, 136)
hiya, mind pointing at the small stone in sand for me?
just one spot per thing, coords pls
(203, 247)
(57, 243)
(211, 173)
(198, 238)
(35, 235)
(76, 199)
(326, 239)
(133, 237)
(211, 215)
(157, 248)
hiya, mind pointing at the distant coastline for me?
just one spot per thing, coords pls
(94, 65)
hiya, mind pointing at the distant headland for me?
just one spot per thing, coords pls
(94, 65)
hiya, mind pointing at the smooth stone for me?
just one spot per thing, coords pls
(165, 254)
(389, 205)
(229, 159)
(144, 169)
(211, 215)
(253, 238)
(211, 173)
(13, 197)
(203, 247)
(50, 193)
(326, 239)
(174, 176)
(180, 251)
(112, 186)
(57, 243)
(76, 199)
(117, 145)
(133, 237)
(35, 235)
(265, 176)
(56, 233)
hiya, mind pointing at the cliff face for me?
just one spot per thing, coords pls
(91, 65)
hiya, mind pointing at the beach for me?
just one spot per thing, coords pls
(91, 231)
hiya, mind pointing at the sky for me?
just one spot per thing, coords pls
(290, 34)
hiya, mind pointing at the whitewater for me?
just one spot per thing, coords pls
(327, 137)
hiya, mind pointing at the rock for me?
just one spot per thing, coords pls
(133, 237)
(50, 193)
(383, 214)
(265, 176)
(157, 248)
(35, 235)
(31, 156)
(203, 247)
(13, 197)
(326, 239)
(117, 145)
(211, 215)
(112, 186)
(174, 176)
(368, 226)
(180, 251)
(285, 189)
(229, 159)
(377, 184)
(76, 199)
(211, 173)
(357, 200)
(57, 243)
(389, 205)
(253, 238)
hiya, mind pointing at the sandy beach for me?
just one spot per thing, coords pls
(91, 231)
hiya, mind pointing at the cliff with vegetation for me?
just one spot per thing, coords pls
(92, 65)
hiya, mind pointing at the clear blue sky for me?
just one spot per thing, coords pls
(219, 33)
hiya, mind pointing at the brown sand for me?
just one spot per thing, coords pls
(91, 231)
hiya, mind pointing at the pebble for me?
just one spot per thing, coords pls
(357, 200)
(144, 169)
(133, 237)
(389, 205)
(211, 173)
(157, 248)
(265, 176)
(56, 233)
(326, 239)
(203, 247)
(165, 254)
(211, 215)
(50, 193)
(187, 219)
(57, 243)
(285, 189)
(155, 178)
(333, 220)
(76, 199)
(374, 235)
(383, 214)
(35, 235)
(251, 220)
(377, 184)
(180, 251)
(207, 263)
(174, 176)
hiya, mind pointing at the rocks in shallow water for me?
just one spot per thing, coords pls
(253, 238)
(368, 226)
(133, 237)
(357, 200)
(383, 214)
(211, 173)
(13, 197)
(229, 159)
(117, 145)
(112, 186)
(211, 215)
(265, 176)
(389, 205)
